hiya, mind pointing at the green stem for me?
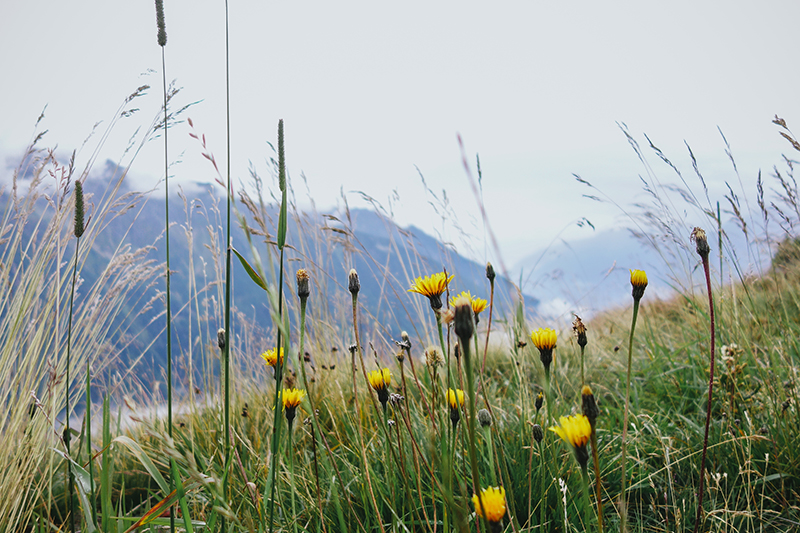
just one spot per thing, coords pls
(598, 486)
(476, 481)
(169, 308)
(585, 490)
(68, 433)
(623, 508)
(228, 268)
(276, 428)
(290, 452)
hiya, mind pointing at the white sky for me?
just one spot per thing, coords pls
(368, 90)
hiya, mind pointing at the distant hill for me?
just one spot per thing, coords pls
(589, 275)
(386, 257)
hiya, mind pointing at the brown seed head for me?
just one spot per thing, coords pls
(580, 331)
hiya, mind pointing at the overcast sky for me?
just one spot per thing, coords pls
(371, 91)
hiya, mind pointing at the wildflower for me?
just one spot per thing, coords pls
(539, 401)
(464, 325)
(432, 286)
(639, 283)
(271, 357)
(456, 399)
(580, 331)
(478, 304)
(538, 433)
(302, 284)
(701, 241)
(352, 282)
(291, 399)
(589, 405)
(221, 338)
(490, 272)
(485, 418)
(545, 341)
(380, 380)
(494, 504)
(575, 430)
(433, 357)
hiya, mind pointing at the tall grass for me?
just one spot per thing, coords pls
(400, 466)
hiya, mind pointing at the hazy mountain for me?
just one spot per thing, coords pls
(386, 257)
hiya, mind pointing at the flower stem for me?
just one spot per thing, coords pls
(623, 508)
(710, 391)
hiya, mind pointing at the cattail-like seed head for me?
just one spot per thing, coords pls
(221, 338)
(353, 284)
(162, 27)
(79, 227)
(701, 241)
(490, 275)
(302, 284)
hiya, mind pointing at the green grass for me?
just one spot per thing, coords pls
(349, 466)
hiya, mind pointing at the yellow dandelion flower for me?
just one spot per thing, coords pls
(544, 338)
(455, 398)
(380, 379)
(271, 357)
(292, 398)
(432, 286)
(575, 430)
(494, 503)
(639, 283)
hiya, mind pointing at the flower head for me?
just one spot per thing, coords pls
(589, 405)
(580, 331)
(380, 380)
(432, 286)
(639, 283)
(271, 357)
(455, 398)
(545, 341)
(291, 399)
(575, 430)
(494, 503)
(478, 304)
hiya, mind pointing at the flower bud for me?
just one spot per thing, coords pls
(490, 275)
(221, 338)
(302, 284)
(485, 418)
(701, 241)
(538, 433)
(353, 284)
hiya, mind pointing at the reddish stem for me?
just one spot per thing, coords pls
(710, 389)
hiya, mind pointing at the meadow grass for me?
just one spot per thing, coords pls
(380, 441)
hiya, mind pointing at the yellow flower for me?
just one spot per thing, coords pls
(494, 503)
(544, 338)
(478, 304)
(455, 398)
(380, 379)
(271, 356)
(575, 430)
(639, 283)
(638, 278)
(432, 286)
(292, 398)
